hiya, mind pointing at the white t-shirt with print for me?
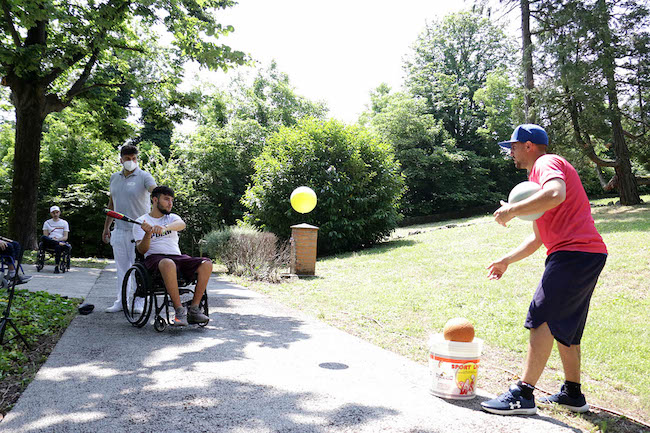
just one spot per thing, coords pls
(56, 229)
(165, 243)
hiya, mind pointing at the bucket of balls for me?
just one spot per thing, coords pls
(454, 358)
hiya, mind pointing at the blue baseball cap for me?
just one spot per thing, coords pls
(527, 132)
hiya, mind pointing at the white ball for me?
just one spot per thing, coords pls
(522, 192)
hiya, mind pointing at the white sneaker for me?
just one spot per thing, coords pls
(115, 308)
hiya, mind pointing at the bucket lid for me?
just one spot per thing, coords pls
(437, 342)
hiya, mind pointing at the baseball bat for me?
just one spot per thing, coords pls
(120, 216)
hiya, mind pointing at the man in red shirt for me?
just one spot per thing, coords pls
(576, 255)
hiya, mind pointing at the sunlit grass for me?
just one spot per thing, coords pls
(399, 292)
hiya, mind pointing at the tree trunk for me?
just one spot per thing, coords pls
(527, 49)
(627, 187)
(28, 100)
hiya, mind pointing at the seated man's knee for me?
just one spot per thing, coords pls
(205, 267)
(166, 266)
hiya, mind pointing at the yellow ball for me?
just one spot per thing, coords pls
(303, 199)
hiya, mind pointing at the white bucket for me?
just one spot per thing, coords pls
(454, 367)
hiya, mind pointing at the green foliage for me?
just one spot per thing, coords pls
(216, 241)
(500, 101)
(354, 175)
(220, 160)
(36, 315)
(439, 176)
(6, 172)
(233, 128)
(450, 61)
(271, 100)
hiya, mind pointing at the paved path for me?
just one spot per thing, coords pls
(257, 367)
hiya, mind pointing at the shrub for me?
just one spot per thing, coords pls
(355, 176)
(216, 241)
(248, 252)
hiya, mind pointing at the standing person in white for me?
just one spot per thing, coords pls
(55, 235)
(130, 190)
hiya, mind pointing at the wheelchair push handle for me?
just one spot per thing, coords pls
(120, 216)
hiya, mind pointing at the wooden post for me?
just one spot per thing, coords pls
(304, 238)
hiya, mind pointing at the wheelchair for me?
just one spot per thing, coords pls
(64, 262)
(151, 287)
(5, 262)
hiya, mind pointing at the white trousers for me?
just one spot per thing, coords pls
(124, 254)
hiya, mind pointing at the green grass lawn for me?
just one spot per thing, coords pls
(399, 292)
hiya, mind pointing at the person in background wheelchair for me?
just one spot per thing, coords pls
(157, 240)
(9, 251)
(55, 235)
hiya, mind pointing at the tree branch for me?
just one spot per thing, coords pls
(10, 24)
(56, 72)
(78, 85)
(55, 104)
(81, 90)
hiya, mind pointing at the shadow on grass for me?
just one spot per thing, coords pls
(379, 248)
(624, 221)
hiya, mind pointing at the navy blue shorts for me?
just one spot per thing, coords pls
(563, 295)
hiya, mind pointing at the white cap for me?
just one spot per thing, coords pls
(53, 208)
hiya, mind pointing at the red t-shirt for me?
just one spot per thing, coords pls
(568, 226)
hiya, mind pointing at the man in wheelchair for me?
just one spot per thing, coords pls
(55, 236)
(157, 239)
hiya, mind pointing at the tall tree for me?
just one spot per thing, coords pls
(450, 61)
(585, 46)
(51, 52)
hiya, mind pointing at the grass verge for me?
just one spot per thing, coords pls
(397, 293)
(41, 318)
(29, 257)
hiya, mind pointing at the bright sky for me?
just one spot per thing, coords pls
(336, 51)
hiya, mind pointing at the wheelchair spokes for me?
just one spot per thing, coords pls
(136, 301)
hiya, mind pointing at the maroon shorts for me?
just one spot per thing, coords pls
(185, 265)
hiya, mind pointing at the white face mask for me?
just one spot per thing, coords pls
(130, 165)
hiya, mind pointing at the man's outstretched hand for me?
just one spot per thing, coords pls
(497, 269)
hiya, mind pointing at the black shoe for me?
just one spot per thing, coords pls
(85, 309)
(511, 403)
(56, 269)
(563, 399)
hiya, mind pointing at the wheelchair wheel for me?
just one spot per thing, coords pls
(204, 305)
(142, 291)
(159, 324)
(40, 258)
(65, 261)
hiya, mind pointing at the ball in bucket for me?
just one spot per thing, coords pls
(521, 192)
(458, 329)
(303, 199)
